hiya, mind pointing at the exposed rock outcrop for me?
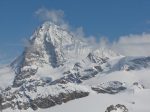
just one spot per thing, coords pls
(111, 87)
(117, 108)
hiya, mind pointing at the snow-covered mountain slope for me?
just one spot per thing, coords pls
(53, 51)
(134, 98)
(57, 67)
(49, 48)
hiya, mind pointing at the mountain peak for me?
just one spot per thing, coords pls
(42, 28)
(53, 33)
(52, 47)
(45, 47)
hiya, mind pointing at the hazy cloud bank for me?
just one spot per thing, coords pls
(133, 45)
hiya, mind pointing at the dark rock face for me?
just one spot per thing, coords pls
(96, 59)
(143, 62)
(64, 93)
(11, 100)
(72, 78)
(119, 107)
(5, 106)
(23, 105)
(77, 76)
(21, 78)
(44, 102)
(140, 86)
(50, 101)
(112, 87)
(89, 73)
(1, 101)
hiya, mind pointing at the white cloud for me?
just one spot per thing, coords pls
(133, 45)
(52, 15)
(135, 39)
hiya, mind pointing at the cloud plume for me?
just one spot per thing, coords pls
(133, 45)
(52, 15)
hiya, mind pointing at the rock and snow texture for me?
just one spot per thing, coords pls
(57, 67)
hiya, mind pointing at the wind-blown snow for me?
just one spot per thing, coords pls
(6, 77)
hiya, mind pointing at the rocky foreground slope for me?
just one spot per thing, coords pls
(57, 67)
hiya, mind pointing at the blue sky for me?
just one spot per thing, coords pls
(110, 18)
